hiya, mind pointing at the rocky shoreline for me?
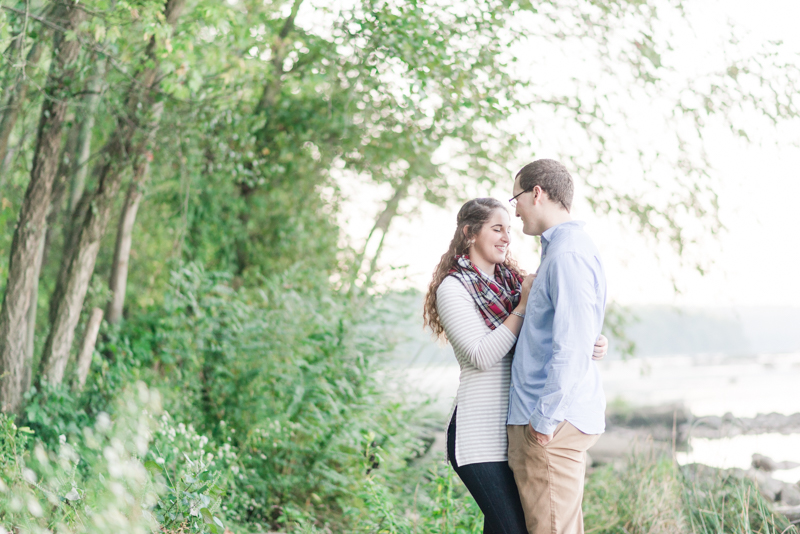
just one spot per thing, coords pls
(662, 420)
(784, 497)
(668, 429)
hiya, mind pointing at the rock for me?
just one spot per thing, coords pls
(769, 488)
(764, 463)
(737, 473)
(697, 474)
(651, 416)
(774, 421)
(619, 443)
(729, 418)
(712, 421)
(790, 495)
(792, 513)
(767, 464)
(728, 426)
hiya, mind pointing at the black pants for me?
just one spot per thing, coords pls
(493, 487)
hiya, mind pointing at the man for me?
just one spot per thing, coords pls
(556, 402)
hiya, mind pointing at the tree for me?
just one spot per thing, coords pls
(18, 83)
(123, 147)
(28, 233)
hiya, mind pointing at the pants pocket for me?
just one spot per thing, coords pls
(531, 439)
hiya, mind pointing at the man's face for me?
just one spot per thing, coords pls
(526, 210)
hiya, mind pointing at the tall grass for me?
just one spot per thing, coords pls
(653, 495)
(717, 503)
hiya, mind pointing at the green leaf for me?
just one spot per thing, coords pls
(152, 466)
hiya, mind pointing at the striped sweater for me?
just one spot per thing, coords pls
(484, 356)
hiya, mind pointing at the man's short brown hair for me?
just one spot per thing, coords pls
(552, 177)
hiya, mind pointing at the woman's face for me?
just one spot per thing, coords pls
(491, 244)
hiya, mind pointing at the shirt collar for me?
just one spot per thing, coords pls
(550, 234)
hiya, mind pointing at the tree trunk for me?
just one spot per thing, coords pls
(59, 189)
(28, 233)
(273, 87)
(70, 291)
(81, 166)
(382, 224)
(122, 249)
(75, 161)
(87, 348)
(122, 253)
(27, 368)
(16, 98)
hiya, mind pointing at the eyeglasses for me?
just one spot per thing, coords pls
(513, 200)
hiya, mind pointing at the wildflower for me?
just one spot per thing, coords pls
(35, 508)
(15, 505)
(29, 475)
(103, 423)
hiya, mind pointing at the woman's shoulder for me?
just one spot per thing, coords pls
(449, 285)
(451, 290)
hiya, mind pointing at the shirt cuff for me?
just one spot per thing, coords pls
(543, 425)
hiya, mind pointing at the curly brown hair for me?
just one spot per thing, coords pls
(472, 216)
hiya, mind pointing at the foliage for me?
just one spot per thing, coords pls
(282, 420)
(110, 474)
(644, 496)
(93, 482)
(651, 494)
(194, 473)
(722, 503)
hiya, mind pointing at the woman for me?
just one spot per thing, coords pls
(477, 300)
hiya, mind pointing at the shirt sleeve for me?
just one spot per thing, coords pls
(467, 331)
(574, 296)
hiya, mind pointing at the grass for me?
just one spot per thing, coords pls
(653, 495)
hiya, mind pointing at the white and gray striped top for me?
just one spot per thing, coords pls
(484, 356)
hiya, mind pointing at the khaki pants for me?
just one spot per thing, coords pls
(550, 477)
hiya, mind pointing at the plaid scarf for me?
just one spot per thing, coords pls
(496, 297)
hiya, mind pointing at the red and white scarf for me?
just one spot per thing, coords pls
(496, 296)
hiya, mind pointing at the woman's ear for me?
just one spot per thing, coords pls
(466, 232)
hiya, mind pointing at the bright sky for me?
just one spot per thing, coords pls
(755, 260)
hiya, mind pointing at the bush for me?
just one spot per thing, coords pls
(94, 483)
(101, 480)
(194, 473)
(283, 378)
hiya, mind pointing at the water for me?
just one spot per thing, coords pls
(738, 452)
(708, 385)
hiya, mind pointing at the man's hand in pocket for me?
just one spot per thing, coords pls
(543, 439)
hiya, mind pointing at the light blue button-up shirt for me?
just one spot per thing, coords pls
(553, 376)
